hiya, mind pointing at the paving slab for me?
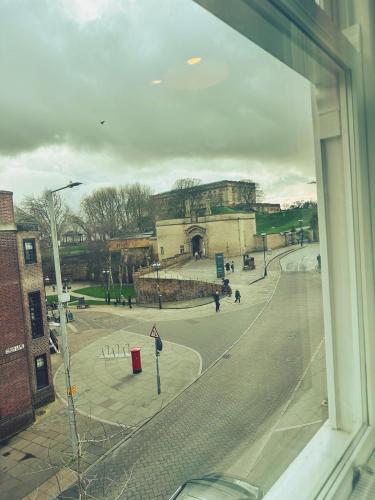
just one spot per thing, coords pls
(108, 390)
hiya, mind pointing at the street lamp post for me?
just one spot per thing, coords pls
(301, 230)
(156, 265)
(62, 298)
(264, 235)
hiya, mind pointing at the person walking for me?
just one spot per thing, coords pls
(237, 296)
(217, 301)
(232, 266)
(130, 302)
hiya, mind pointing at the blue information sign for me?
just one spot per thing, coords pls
(219, 259)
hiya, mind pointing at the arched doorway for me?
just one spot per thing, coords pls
(196, 244)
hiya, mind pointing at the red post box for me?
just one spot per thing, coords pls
(136, 359)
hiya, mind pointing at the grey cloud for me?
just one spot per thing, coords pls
(60, 79)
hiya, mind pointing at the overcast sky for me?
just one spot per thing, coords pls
(68, 64)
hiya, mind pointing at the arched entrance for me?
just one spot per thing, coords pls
(196, 244)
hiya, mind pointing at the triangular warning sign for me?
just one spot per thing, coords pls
(154, 333)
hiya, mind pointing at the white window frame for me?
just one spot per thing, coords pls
(324, 468)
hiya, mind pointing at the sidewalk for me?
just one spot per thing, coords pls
(108, 391)
(111, 402)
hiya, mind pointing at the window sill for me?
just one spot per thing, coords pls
(324, 465)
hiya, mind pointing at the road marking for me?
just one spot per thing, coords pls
(286, 406)
(282, 429)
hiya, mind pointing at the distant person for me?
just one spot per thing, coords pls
(237, 296)
(196, 255)
(217, 301)
(122, 299)
(227, 266)
(232, 266)
(130, 302)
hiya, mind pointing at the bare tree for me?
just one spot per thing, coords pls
(138, 206)
(34, 210)
(111, 212)
(184, 200)
(248, 193)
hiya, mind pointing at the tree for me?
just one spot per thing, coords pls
(103, 213)
(34, 210)
(112, 212)
(183, 200)
(248, 193)
(138, 206)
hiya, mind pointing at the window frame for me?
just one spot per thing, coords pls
(37, 323)
(26, 252)
(45, 369)
(324, 467)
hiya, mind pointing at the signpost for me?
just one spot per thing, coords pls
(158, 347)
(219, 260)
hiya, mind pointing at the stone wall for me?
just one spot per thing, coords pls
(231, 233)
(171, 290)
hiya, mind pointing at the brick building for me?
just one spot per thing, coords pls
(26, 378)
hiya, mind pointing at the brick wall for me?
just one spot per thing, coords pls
(147, 289)
(16, 410)
(31, 281)
(6, 207)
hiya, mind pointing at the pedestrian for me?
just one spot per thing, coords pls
(232, 266)
(196, 255)
(217, 301)
(122, 299)
(130, 302)
(227, 266)
(237, 296)
(53, 288)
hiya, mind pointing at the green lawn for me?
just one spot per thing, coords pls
(53, 298)
(284, 220)
(99, 291)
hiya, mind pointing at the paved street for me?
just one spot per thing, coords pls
(266, 391)
(248, 415)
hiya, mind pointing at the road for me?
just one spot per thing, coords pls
(233, 405)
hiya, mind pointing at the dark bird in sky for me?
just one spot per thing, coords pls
(102, 122)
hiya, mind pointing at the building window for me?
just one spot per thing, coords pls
(29, 251)
(182, 249)
(161, 250)
(36, 317)
(41, 371)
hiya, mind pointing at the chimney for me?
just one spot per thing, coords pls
(7, 221)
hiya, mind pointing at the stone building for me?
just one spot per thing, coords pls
(231, 233)
(26, 378)
(203, 197)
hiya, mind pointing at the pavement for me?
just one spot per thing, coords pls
(191, 413)
(107, 388)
